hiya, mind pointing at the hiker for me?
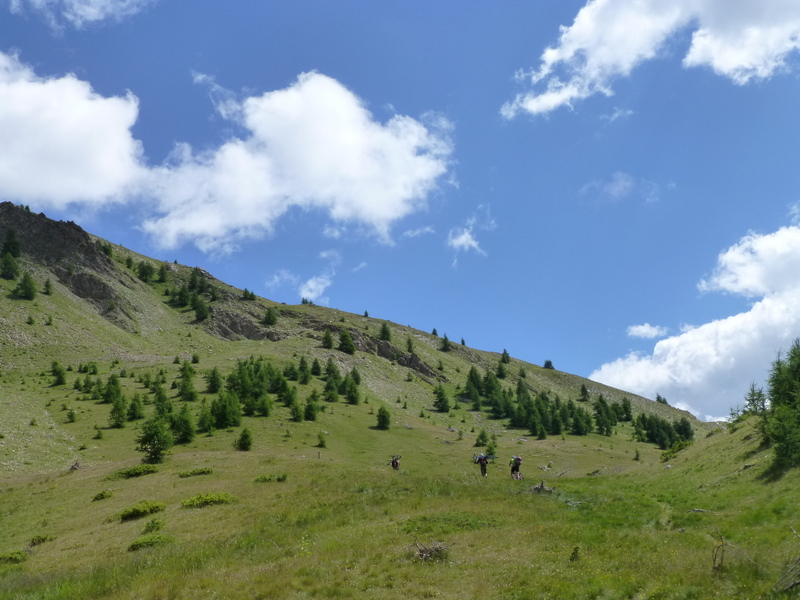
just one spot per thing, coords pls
(515, 463)
(395, 462)
(482, 461)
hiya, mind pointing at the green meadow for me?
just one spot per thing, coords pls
(313, 509)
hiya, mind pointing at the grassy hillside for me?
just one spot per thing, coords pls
(297, 520)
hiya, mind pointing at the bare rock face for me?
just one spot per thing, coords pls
(231, 325)
(52, 243)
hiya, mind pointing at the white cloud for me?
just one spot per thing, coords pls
(620, 187)
(709, 368)
(462, 239)
(412, 233)
(647, 331)
(62, 143)
(315, 287)
(739, 39)
(312, 145)
(280, 278)
(80, 13)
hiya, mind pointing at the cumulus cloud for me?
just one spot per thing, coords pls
(647, 331)
(312, 145)
(707, 369)
(62, 143)
(622, 186)
(80, 13)
(462, 238)
(739, 39)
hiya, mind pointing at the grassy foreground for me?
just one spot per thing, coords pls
(342, 524)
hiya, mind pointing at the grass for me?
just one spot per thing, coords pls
(343, 524)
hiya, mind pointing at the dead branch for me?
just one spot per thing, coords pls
(791, 577)
(436, 550)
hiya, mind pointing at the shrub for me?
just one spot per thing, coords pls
(153, 525)
(195, 472)
(271, 478)
(149, 541)
(41, 539)
(13, 558)
(142, 509)
(321, 441)
(136, 471)
(102, 495)
(202, 500)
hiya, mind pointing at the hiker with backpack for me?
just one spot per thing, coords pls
(515, 463)
(482, 460)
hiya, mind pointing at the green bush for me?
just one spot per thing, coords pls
(41, 539)
(13, 558)
(202, 500)
(144, 508)
(271, 478)
(245, 441)
(153, 525)
(149, 541)
(102, 495)
(136, 471)
(194, 472)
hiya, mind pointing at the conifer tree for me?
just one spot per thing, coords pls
(505, 358)
(136, 408)
(346, 342)
(271, 317)
(26, 288)
(8, 267)
(154, 439)
(384, 418)
(385, 333)
(327, 339)
(183, 426)
(11, 244)
(441, 403)
(446, 344)
(316, 368)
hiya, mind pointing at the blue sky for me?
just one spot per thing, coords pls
(611, 185)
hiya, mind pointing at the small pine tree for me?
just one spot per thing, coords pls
(201, 309)
(384, 418)
(441, 403)
(213, 381)
(386, 333)
(409, 345)
(205, 422)
(482, 438)
(154, 439)
(183, 426)
(8, 267)
(48, 287)
(245, 440)
(136, 408)
(327, 339)
(145, 271)
(26, 288)
(446, 344)
(548, 364)
(11, 244)
(346, 342)
(163, 275)
(316, 368)
(271, 316)
(119, 412)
